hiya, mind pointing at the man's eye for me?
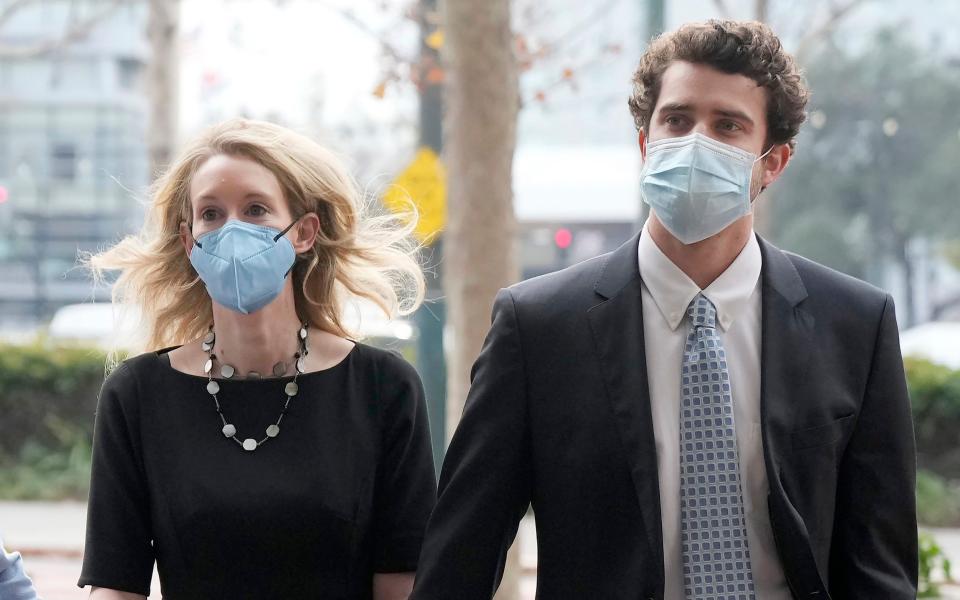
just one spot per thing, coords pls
(674, 120)
(728, 126)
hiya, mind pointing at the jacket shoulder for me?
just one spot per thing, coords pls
(565, 289)
(822, 282)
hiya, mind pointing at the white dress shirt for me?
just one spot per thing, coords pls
(666, 294)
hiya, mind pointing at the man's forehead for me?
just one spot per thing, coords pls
(700, 86)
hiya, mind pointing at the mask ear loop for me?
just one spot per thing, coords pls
(276, 239)
(196, 243)
(759, 158)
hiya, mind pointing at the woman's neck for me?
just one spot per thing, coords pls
(259, 340)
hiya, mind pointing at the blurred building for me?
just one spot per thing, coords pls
(573, 202)
(73, 154)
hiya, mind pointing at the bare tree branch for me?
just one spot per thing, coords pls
(357, 22)
(74, 33)
(583, 25)
(564, 79)
(11, 9)
(836, 15)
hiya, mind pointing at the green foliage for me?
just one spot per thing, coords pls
(48, 396)
(876, 163)
(931, 557)
(43, 387)
(951, 251)
(938, 500)
(935, 393)
(42, 473)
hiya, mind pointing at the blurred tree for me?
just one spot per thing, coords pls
(163, 70)
(877, 165)
(815, 22)
(76, 29)
(480, 130)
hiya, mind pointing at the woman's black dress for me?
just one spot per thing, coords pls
(342, 493)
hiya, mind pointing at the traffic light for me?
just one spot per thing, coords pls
(563, 238)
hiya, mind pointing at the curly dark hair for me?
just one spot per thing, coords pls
(748, 48)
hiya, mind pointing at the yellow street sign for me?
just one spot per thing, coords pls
(424, 182)
(435, 39)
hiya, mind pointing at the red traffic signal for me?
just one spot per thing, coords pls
(563, 238)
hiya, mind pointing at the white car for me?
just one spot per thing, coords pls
(936, 341)
(107, 325)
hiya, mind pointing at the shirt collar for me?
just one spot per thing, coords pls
(672, 291)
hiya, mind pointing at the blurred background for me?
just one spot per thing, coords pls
(97, 95)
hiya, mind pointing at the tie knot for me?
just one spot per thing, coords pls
(702, 313)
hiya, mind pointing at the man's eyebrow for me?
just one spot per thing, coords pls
(733, 114)
(675, 107)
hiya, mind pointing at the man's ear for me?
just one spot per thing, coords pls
(186, 238)
(642, 140)
(307, 229)
(774, 163)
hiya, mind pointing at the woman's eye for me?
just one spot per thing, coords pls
(257, 211)
(208, 215)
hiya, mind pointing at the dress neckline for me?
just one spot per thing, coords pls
(163, 357)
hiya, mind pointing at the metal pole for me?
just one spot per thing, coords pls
(430, 319)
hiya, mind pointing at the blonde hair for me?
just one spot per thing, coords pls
(359, 252)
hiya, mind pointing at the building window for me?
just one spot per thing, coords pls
(129, 73)
(64, 162)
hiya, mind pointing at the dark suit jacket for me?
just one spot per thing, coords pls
(558, 416)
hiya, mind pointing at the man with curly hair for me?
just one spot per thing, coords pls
(698, 414)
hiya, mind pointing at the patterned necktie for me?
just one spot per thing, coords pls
(716, 560)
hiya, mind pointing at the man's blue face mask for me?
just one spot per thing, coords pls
(243, 265)
(696, 185)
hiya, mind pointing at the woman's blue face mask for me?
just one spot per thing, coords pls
(243, 265)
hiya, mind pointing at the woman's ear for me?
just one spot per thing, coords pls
(306, 232)
(186, 238)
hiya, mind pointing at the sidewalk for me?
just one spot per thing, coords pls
(50, 537)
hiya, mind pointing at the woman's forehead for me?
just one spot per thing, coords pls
(226, 178)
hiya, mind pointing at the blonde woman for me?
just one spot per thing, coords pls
(257, 451)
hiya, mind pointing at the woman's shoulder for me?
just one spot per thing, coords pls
(125, 379)
(389, 364)
(140, 365)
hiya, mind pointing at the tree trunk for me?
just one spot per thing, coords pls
(163, 24)
(479, 138)
(761, 10)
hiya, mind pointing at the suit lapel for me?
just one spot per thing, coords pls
(786, 345)
(617, 327)
(616, 323)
